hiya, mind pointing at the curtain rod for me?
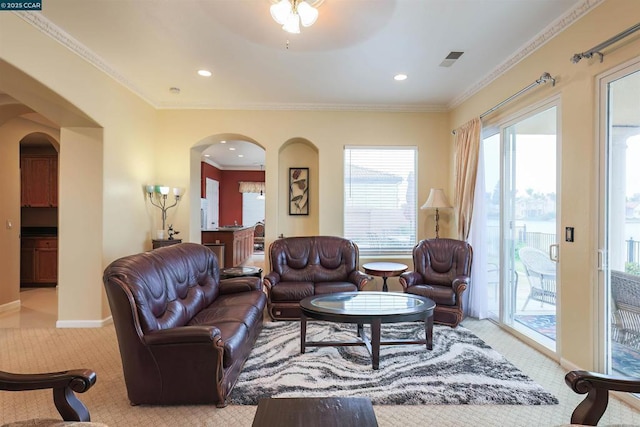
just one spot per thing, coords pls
(596, 49)
(544, 78)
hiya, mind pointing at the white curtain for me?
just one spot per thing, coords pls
(466, 164)
(251, 187)
(478, 291)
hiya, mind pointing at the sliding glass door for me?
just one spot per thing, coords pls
(520, 178)
(620, 191)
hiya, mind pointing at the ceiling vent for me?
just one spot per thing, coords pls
(450, 59)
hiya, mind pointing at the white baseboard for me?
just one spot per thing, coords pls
(84, 323)
(10, 306)
(570, 366)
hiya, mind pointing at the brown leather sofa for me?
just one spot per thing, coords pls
(305, 266)
(442, 272)
(183, 333)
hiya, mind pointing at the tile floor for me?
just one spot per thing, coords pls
(38, 309)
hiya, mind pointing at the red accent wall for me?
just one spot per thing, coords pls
(208, 171)
(230, 196)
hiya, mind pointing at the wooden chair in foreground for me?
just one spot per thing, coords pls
(63, 384)
(597, 387)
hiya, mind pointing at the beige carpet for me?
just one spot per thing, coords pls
(42, 350)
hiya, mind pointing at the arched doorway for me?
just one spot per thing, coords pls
(80, 137)
(39, 229)
(230, 192)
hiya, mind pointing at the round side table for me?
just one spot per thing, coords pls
(384, 270)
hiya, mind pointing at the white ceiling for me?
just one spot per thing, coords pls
(345, 61)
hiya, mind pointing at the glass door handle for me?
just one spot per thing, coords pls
(554, 252)
(600, 261)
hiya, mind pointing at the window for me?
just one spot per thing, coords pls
(380, 199)
(252, 208)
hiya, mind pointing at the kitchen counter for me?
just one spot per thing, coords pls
(237, 241)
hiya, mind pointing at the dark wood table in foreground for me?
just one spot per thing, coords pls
(373, 308)
(315, 412)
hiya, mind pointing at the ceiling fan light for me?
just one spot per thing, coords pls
(292, 25)
(280, 11)
(308, 14)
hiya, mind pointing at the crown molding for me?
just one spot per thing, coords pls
(52, 30)
(552, 30)
(383, 108)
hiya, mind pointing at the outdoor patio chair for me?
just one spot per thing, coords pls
(625, 299)
(541, 273)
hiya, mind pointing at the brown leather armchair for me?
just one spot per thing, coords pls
(63, 384)
(305, 266)
(442, 272)
(597, 387)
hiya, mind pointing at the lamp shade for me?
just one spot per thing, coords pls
(308, 14)
(280, 11)
(292, 23)
(436, 200)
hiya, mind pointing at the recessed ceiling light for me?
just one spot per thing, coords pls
(400, 77)
(204, 73)
(240, 155)
(223, 142)
(232, 148)
(207, 155)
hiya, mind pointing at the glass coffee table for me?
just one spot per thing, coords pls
(373, 308)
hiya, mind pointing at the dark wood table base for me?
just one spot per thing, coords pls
(373, 344)
(315, 412)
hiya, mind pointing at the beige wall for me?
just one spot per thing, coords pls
(107, 137)
(576, 85)
(329, 132)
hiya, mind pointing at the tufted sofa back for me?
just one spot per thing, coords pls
(442, 260)
(168, 285)
(314, 258)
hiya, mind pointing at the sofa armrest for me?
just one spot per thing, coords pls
(410, 278)
(271, 279)
(240, 284)
(460, 283)
(183, 334)
(358, 278)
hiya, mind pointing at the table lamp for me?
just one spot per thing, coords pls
(436, 200)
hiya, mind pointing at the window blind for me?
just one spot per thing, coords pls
(380, 199)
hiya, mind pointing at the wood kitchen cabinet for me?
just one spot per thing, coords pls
(39, 181)
(39, 261)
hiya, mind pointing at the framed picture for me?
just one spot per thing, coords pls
(298, 191)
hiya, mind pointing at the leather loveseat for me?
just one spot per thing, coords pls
(305, 266)
(183, 333)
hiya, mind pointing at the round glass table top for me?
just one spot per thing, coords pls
(367, 303)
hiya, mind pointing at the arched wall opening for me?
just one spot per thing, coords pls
(298, 153)
(36, 108)
(197, 184)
